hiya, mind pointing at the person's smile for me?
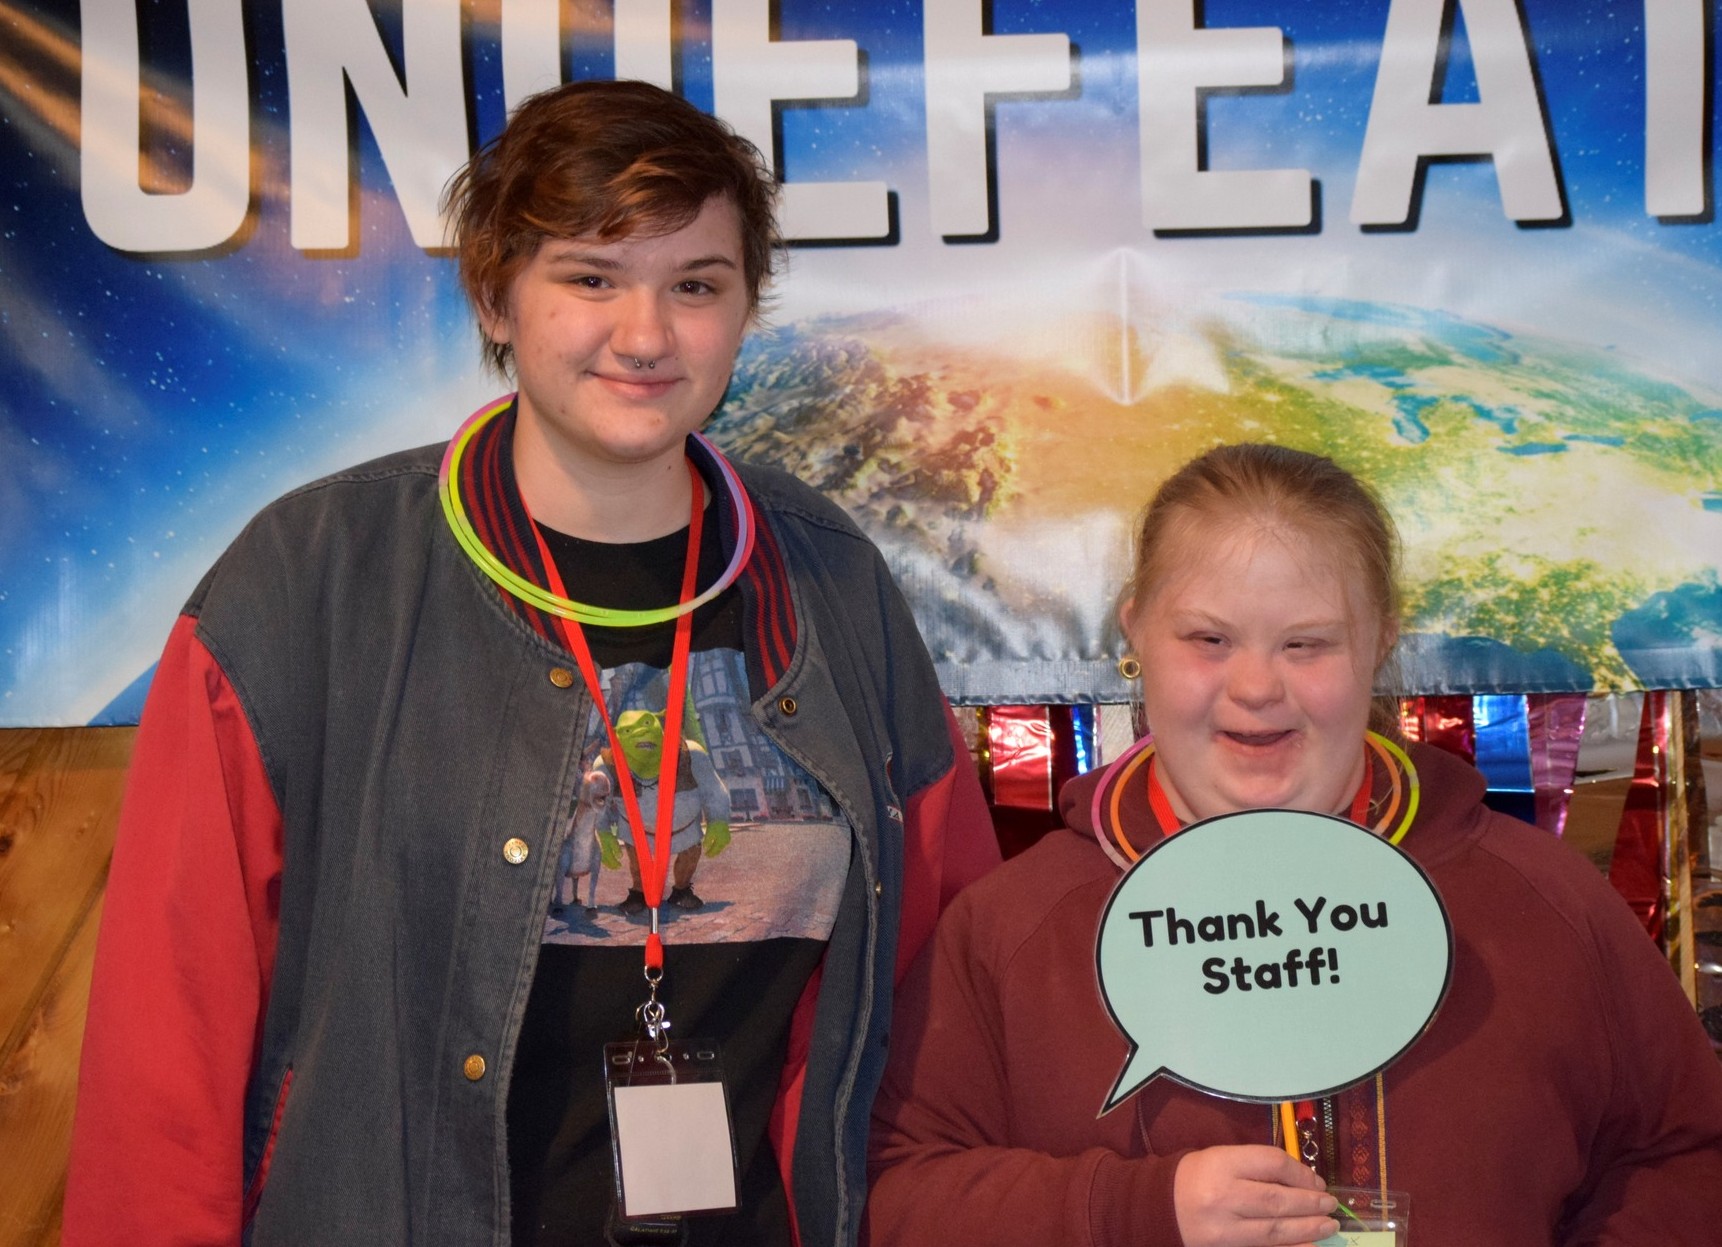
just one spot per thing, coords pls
(622, 347)
(1256, 676)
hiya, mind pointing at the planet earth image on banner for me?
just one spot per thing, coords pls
(1560, 506)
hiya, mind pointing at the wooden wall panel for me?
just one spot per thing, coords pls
(60, 794)
(38, 1087)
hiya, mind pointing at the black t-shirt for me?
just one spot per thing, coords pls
(748, 931)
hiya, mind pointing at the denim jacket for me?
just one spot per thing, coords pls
(316, 954)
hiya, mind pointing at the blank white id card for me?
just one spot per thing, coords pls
(670, 1133)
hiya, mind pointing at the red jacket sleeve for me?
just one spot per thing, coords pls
(948, 843)
(183, 964)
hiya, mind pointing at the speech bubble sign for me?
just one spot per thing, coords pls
(1271, 955)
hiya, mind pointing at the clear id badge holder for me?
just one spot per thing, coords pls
(670, 1136)
(1370, 1217)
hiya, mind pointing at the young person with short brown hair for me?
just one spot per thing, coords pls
(392, 870)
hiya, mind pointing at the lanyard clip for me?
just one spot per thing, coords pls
(652, 1017)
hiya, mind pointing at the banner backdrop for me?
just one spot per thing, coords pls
(1042, 253)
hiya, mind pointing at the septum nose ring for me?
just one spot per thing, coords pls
(640, 363)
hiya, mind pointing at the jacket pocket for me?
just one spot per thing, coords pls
(254, 1189)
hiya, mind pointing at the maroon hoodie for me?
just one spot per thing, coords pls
(1563, 1094)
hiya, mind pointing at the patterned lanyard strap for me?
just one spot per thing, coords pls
(1399, 802)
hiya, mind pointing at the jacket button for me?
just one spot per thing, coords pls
(473, 1067)
(879, 889)
(515, 851)
(561, 677)
(788, 705)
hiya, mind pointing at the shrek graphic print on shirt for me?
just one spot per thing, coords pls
(759, 851)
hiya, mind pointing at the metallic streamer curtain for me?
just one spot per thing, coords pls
(1641, 814)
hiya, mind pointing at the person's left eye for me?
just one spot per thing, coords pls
(695, 286)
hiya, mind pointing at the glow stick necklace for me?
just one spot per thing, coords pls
(554, 603)
(1404, 795)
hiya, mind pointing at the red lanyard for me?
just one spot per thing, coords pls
(652, 852)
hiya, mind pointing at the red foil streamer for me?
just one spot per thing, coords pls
(1020, 742)
(1445, 722)
(1556, 723)
(1636, 867)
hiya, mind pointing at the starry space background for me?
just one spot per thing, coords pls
(151, 403)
